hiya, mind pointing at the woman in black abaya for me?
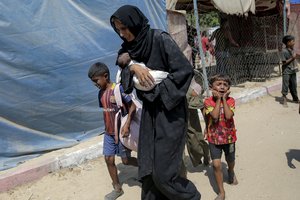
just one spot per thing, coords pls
(164, 117)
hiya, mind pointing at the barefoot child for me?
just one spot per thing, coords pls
(221, 133)
(289, 69)
(99, 74)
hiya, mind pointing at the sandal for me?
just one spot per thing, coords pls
(114, 194)
(220, 197)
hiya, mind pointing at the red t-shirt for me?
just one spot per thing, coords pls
(205, 44)
(221, 131)
(108, 103)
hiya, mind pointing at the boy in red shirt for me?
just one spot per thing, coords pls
(221, 133)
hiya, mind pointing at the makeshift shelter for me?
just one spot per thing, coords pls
(257, 26)
(294, 23)
(47, 101)
(239, 7)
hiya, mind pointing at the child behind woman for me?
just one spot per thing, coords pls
(221, 133)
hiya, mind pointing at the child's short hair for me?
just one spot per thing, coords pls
(219, 77)
(98, 69)
(204, 34)
(287, 38)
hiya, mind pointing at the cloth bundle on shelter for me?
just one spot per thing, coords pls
(238, 7)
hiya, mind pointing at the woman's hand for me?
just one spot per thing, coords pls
(143, 75)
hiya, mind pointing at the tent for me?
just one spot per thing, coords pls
(239, 7)
(47, 101)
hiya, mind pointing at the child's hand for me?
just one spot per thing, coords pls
(216, 94)
(125, 130)
(226, 95)
(296, 56)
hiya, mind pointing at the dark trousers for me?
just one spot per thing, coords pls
(289, 81)
(195, 143)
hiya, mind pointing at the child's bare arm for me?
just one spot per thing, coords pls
(126, 128)
(288, 61)
(227, 111)
(215, 113)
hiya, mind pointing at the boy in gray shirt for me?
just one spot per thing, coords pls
(289, 69)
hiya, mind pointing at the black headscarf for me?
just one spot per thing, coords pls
(132, 17)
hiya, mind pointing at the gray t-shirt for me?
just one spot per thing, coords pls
(290, 68)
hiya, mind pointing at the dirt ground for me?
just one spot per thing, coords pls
(267, 163)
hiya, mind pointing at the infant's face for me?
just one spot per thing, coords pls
(123, 60)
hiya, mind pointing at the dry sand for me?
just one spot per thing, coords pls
(267, 163)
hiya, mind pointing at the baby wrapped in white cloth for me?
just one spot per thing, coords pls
(157, 75)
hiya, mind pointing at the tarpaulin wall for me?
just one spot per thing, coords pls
(47, 101)
(294, 23)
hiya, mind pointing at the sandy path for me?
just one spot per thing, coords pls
(267, 164)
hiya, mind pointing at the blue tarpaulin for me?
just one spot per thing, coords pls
(47, 101)
(295, 1)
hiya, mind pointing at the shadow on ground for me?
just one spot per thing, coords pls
(208, 171)
(292, 154)
(128, 175)
(279, 99)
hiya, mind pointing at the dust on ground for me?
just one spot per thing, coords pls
(267, 163)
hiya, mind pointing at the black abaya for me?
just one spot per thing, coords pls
(164, 115)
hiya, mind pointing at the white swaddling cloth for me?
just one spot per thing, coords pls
(157, 75)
